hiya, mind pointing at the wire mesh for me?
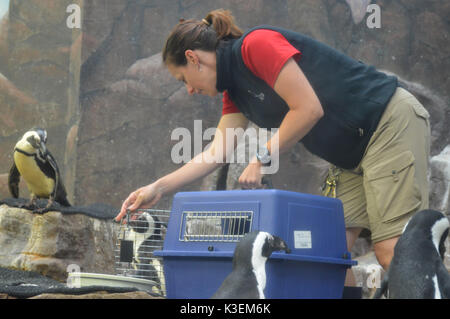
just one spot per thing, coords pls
(215, 226)
(143, 233)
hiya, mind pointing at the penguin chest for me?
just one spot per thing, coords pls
(260, 277)
(37, 182)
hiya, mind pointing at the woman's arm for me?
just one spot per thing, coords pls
(305, 109)
(198, 167)
(304, 112)
(203, 164)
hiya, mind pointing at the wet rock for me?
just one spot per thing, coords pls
(48, 243)
(440, 181)
(99, 295)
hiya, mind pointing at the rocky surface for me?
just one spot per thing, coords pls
(98, 295)
(50, 242)
(440, 179)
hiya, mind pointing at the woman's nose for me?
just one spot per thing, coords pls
(190, 89)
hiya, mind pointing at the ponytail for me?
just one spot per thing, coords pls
(202, 34)
(223, 23)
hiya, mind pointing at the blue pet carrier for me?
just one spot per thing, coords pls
(204, 228)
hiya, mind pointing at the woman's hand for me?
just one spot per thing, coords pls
(251, 176)
(144, 197)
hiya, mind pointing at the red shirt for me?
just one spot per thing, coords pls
(264, 52)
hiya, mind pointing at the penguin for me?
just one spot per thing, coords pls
(37, 166)
(248, 277)
(417, 270)
(147, 234)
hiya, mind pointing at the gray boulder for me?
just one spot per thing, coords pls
(50, 242)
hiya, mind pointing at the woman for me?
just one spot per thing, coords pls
(374, 133)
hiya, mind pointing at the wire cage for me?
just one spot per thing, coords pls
(137, 239)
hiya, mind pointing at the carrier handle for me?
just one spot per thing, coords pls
(266, 180)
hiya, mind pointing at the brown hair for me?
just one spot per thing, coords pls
(202, 34)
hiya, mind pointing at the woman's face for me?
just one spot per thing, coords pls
(199, 73)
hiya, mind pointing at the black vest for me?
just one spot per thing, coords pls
(353, 96)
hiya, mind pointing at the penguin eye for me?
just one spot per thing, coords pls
(34, 141)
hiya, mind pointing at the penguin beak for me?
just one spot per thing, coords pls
(280, 244)
(42, 148)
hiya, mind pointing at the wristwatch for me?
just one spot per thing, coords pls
(263, 155)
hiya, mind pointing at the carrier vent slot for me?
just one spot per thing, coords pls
(216, 226)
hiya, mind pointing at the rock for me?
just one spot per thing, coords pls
(149, 105)
(440, 181)
(38, 55)
(358, 8)
(361, 247)
(4, 42)
(368, 274)
(99, 295)
(48, 243)
(130, 105)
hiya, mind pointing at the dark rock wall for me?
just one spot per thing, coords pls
(110, 108)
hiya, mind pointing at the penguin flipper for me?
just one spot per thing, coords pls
(61, 195)
(59, 192)
(13, 181)
(444, 281)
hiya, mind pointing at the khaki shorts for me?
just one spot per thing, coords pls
(390, 184)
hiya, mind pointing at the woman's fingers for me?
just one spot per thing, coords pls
(125, 206)
(250, 183)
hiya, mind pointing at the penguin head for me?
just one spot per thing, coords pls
(33, 141)
(271, 244)
(255, 247)
(432, 224)
(144, 224)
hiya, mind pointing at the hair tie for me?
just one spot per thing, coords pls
(206, 22)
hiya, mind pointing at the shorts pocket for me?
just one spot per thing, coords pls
(393, 185)
(420, 111)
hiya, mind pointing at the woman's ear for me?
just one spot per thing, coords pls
(191, 57)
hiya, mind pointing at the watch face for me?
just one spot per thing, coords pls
(264, 156)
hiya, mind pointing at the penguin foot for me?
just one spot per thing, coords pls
(28, 206)
(41, 210)
(31, 205)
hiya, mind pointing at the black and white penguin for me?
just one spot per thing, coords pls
(248, 277)
(37, 166)
(417, 270)
(147, 234)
